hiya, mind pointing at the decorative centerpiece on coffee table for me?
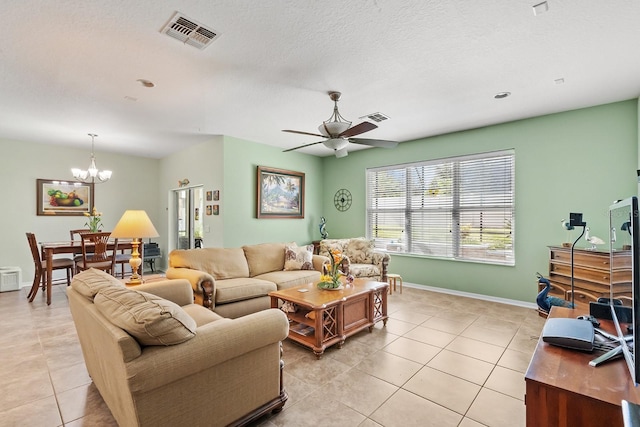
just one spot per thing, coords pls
(330, 280)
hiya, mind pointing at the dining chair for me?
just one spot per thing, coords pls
(95, 253)
(73, 233)
(41, 267)
(121, 259)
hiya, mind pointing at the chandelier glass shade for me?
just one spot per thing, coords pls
(91, 174)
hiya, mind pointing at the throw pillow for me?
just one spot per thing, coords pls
(148, 318)
(89, 282)
(298, 258)
(360, 251)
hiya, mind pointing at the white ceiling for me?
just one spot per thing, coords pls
(70, 67)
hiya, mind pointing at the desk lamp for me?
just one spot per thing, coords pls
(575, 220)
(134, 225)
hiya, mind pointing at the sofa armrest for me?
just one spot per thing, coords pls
(319, 261)
(381, 259)
(214, 343)
(202, 283)
(178, 290)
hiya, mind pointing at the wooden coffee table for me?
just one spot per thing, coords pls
(324, 318)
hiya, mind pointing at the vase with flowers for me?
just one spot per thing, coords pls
(331, 278)
(94, 222)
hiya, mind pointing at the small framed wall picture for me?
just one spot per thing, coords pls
(209, 210)
(216, 195)
(209, 196)
(216, 209)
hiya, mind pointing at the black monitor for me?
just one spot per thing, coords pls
(625, 236)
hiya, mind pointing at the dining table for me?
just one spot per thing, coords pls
(49, 249)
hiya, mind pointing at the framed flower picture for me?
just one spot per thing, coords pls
(64, 198)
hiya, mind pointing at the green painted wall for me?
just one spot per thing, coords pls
(241, 227)
(577, 161)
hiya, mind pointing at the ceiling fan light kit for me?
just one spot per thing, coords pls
(339, 131)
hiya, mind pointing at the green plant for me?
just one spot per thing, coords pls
(94, 223)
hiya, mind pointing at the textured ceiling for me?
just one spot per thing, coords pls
(70, 67)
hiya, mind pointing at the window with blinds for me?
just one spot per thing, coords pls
(459, 208)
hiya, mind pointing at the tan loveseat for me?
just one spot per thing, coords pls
(361, 258)
(194, 368)
(234, 282)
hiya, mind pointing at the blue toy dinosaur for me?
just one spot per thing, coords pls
(544, 301)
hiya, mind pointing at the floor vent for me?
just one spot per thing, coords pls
(189, 31)
(10, 278)
(376, 117)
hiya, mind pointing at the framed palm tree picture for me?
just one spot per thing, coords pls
(280, 193)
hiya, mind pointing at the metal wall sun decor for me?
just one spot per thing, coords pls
(342, 199)
(280, 193)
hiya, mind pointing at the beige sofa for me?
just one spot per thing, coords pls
(234, 282)
(194, 368)
(362, 260)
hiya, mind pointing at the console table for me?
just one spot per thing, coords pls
(593, 274)
(563, 390)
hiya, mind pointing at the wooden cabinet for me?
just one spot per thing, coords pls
(563, 390)
(595, 272)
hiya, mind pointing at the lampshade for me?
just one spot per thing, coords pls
(330, 128)
(336, 143)
(134, 224)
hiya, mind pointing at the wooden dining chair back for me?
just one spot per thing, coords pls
(95, 252)
(121, 259)
(73, 234)
(41, 267)
(78, 232)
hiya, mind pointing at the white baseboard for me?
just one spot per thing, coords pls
(517, 303)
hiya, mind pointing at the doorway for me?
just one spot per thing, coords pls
(189, 221)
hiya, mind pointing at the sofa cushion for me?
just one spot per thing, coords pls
(360, 251)
(264, 257)
(221, 263)
(200, 314)
(328, 244)
(364, 270)
(298, 258)
(232, 290)
(89, 282)
(148, 318)
(288, 279)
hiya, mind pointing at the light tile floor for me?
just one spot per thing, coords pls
(441, 361)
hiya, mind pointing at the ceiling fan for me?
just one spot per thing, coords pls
(338, 132)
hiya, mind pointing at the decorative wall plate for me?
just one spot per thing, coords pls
(342, 200)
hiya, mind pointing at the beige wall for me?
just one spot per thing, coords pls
(133, 186)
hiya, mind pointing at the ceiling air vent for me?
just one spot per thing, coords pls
(189, 31)
(376, 117)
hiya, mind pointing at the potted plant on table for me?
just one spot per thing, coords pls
(330, 280)
(94, 223)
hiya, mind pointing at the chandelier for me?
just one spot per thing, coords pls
(92, 172)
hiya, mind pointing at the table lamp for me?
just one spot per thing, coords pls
(134, 225)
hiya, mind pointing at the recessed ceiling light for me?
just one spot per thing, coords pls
(145, 83)
(540, 8)
(502, 95)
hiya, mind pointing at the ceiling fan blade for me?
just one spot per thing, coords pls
(374, 142)
(302, 146)
(358, 129)
(303, 133)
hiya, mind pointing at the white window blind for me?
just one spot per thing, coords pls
(458, 208)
